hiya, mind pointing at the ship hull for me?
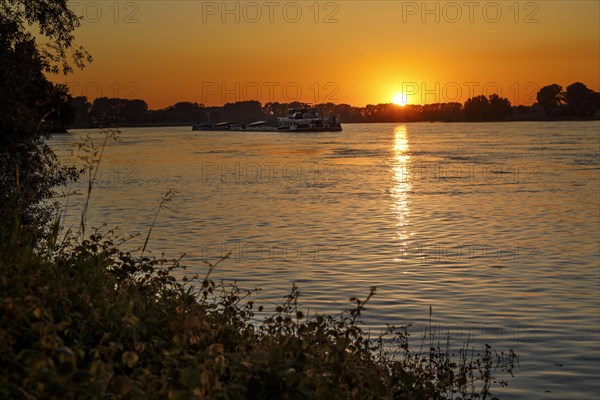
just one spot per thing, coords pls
(266, 129)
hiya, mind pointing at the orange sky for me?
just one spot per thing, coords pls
(356, 52)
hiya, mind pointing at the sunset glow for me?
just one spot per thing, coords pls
(218, 52)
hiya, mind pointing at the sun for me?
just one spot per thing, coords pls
(400, 99)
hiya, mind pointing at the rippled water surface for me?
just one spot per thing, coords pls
(495, 226)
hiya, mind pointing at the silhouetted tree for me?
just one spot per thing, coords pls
(62, 112)
(113, 111)
(476, 108)
(186, 111)
(481, 108)
(577, 93)
(581, 100)
(105, 111)
(437, 112)
(30, 105)
(244, 111)
(551, 97)
(522, 112)
(499, 107)
(82, 110)
(134, 111)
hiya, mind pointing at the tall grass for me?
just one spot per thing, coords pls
(81, 318)
(91, 155)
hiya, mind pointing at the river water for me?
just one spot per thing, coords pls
(493, 225)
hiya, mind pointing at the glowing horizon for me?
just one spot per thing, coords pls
(214, 52)
(400, 99)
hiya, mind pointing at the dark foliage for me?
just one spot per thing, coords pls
(582, 102)
(31, 107)
(83, 319)
(551, 98)
(481, 108)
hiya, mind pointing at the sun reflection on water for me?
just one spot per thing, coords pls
(401, 177)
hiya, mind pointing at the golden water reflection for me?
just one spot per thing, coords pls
(401, 188)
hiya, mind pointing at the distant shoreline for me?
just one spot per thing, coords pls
(177, 124)
(576, 103)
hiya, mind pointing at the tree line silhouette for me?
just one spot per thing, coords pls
(576, 102)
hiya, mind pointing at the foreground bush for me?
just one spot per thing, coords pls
(85, 320)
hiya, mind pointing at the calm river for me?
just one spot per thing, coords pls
(494, 225)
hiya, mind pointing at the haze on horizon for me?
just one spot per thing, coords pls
(355, 52)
